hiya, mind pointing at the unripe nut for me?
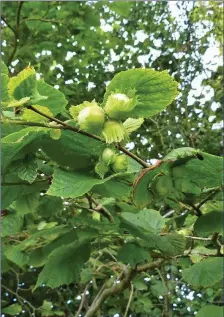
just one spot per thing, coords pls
(108, 156)
(118, 106)
(91, 118)
(163, 185)
(120, 164)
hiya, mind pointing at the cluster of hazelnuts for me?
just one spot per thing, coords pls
(107, 122)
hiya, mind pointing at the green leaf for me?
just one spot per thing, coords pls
(209, 223)
(25, 169)
(30, 115)
(181, 153)
(131, 125)
(4, 88)
(172, 244)
(154, 90)
(191, 177)
(20, 253)
(49, 206)
(12, 191)
(46, 308)
(147, 219)
(15, 255)
(4, 262)
(72, 184)
(12, 310)
(18, 103)
(24, 85)
(4, 68)
(210, 310)
(72, 149)
(139, 284)
(158, 288)
(121, 8)
(113, 188)
(207, 173)
(132, 254)
(142, 197)
(13, 143)
(11, 224)
(64, 265)
(204, 274)
(55, 101)
(27, 203)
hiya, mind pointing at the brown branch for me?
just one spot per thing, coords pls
(196, 209)
(43, 20)
(31, 124)
(100, 208)
(8, 25)
(16, 33)
(211, 195)
(129, 274)
(82, 300)
(215, 240)
(129, 301)
(74, 129)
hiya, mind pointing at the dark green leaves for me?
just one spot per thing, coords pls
(133, 254)
(149, 220)
(64, 265)
(12, 310)
(73, 184)
(11, 224)
(204, 274)
(55, 100)
(190, 178)
(209, 223)
(210, 310)
(13, 143)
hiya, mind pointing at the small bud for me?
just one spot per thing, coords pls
(113, 131)
(118, 106)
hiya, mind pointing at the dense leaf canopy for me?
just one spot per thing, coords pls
(124, 220)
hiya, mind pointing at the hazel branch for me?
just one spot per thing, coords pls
(74, 129)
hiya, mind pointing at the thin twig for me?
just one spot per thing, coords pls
(31, 124)
(82, 300)
(198, 238)
(42, 20)
(129, 301)
(8, 25)
(196, 209)
(169, 213)
(21, 300)
(16, 33)
(211, 195)
(102, 209)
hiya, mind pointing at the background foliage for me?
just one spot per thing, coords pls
(78, 47)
